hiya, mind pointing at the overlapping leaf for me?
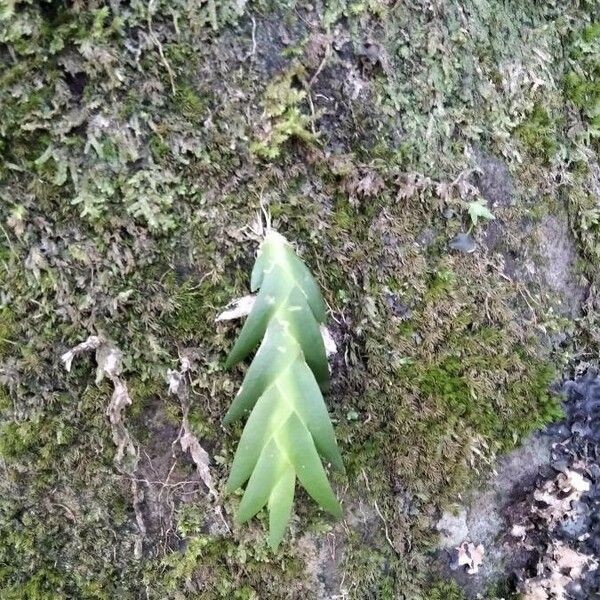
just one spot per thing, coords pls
(288, 430)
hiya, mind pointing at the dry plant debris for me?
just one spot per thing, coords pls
(108, 361)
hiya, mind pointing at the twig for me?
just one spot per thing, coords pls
(321, 65)
(158, 45)
(253, 51)
(385, 527)
(10, 246)
(69, 512)
(312, 110)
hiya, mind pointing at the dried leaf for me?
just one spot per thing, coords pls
(109, 359)
(518, 531)
(238, 308)
(119, 401)
(471, 556)
(330, 345)
(570, 561)
(558, 495)
(369, 185)
(188, 441)
(92, 343)
(561, 566)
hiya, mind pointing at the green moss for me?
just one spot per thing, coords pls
(445, 385)
(442, 282)
(8, 329)
(216, 568)
(45, 584)
(459, 398)
(142, 393)
(158, 147)
(538, 134)
(585, 215)
(196, 307)
(5, 401)
(368, 565)
(444, 590)
(502, 590)
(582, 89)
(57, 506)
(16, 439)
(189, 104)
(343, 217)
(283, 106)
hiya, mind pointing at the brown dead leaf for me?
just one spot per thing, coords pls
(36, 262)
(189, 443)
(119, 401)
(570, 561)
(108, 358)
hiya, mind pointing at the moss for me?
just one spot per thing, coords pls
(342, 216)
(216, 568)
(189, 104)
(5, 401)
(369, 565)
(461, 397)
(8, 328)
(282, 100)
(444, 590)
(142, 393)
(45, 584)
(585, 219)
(17, 439)
(582, 89)
(538, 134)
(196, 307)
(442, 282)
(41, 520)
(503, 590)
(159, 147)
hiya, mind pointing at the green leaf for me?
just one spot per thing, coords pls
(257, 431)
(268, 469)
(288, 430)
(267, 364)
(305, 329)
(311, 408)
(276, 250)
(301, 452)
(280, 506)
(272, 294)
(478, 209)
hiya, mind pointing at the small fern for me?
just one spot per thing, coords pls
(289, 428)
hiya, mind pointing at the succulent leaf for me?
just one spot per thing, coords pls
(288, 429)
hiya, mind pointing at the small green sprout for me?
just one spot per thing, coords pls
(478, 210)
